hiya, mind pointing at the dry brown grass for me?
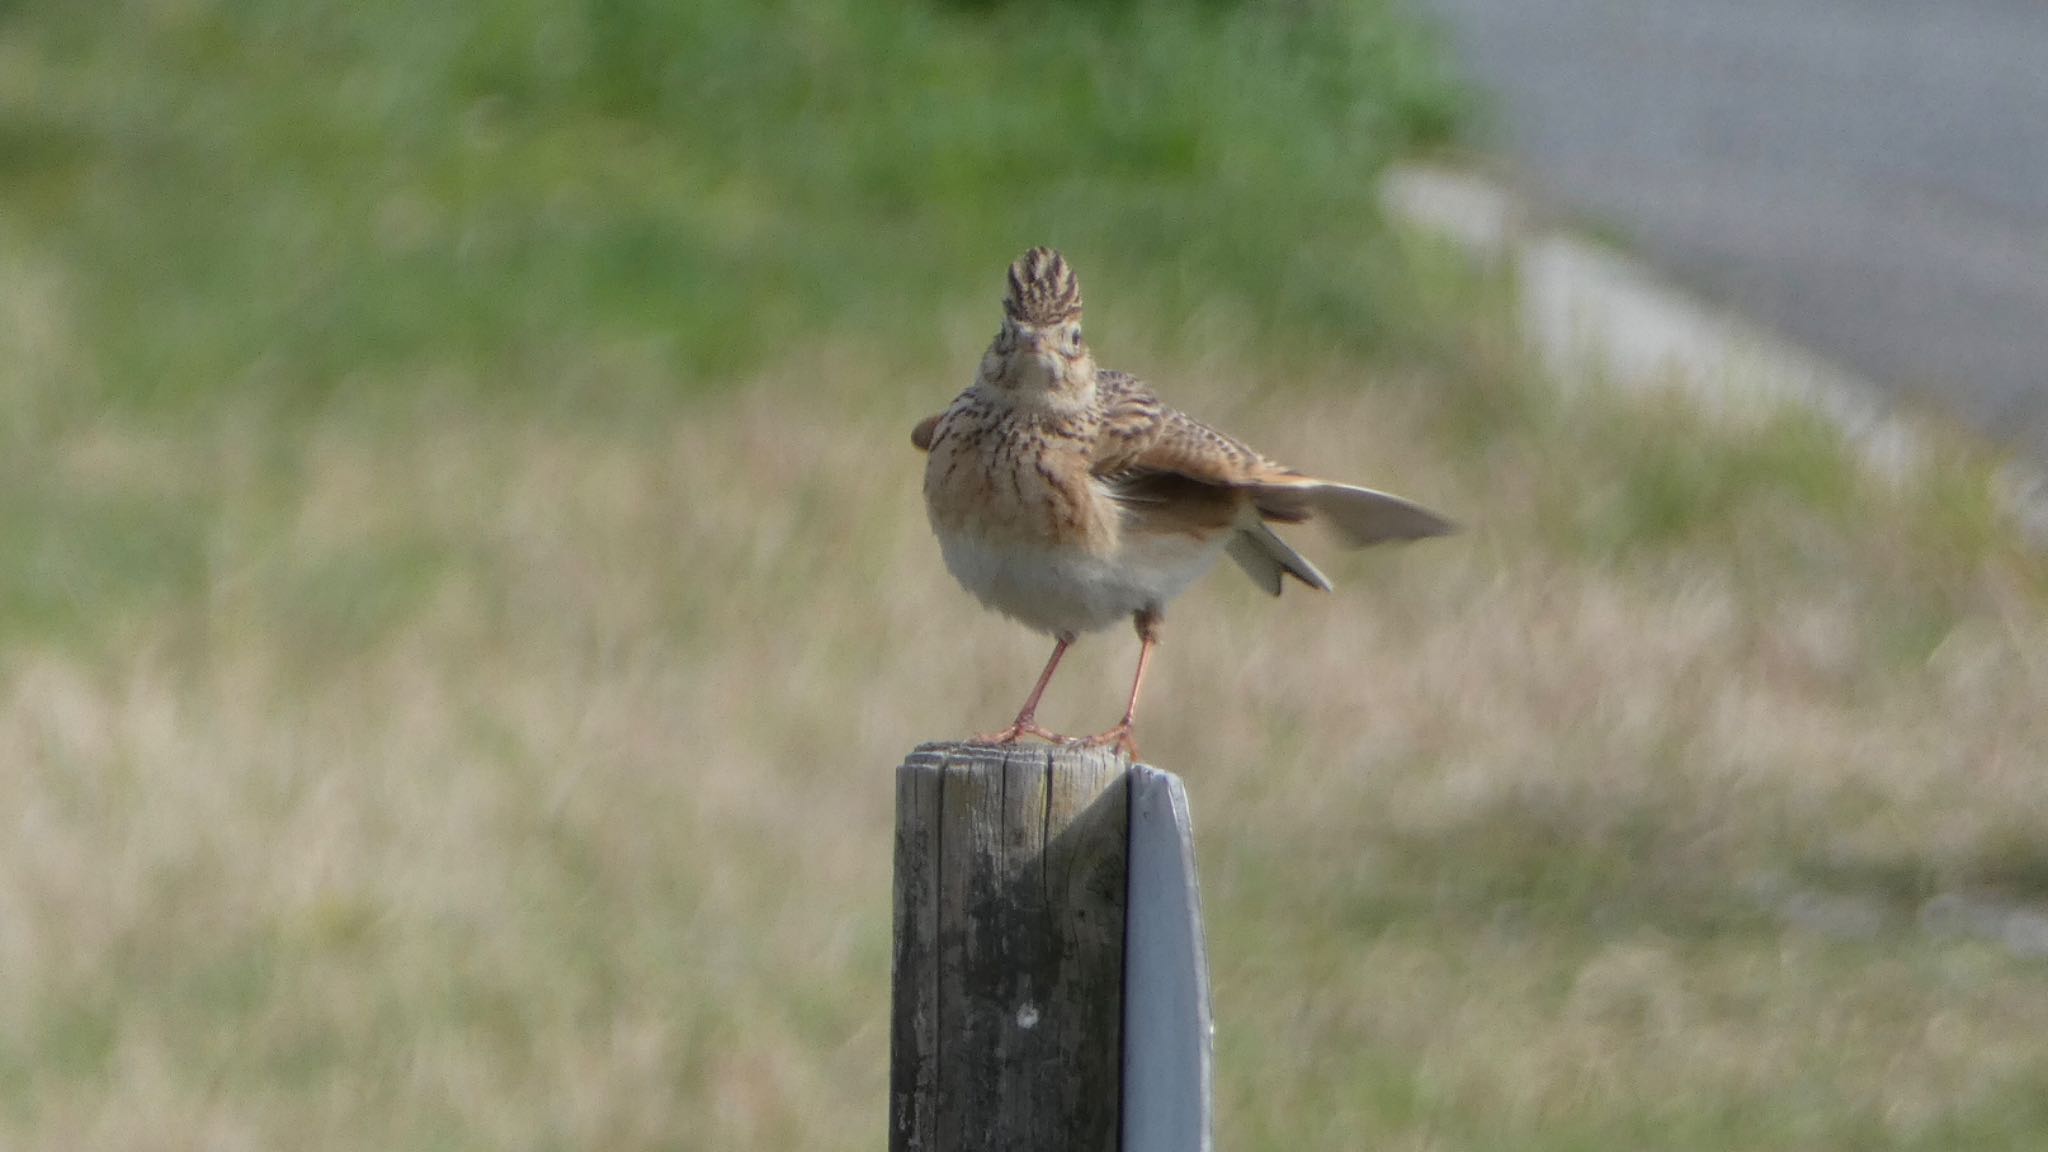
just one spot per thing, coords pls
(502, 782)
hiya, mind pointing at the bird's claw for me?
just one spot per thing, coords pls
(1017, 732)
(1119, 738)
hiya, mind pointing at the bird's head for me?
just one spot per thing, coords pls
(1038, 354)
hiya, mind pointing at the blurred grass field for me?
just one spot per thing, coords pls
(463, 590)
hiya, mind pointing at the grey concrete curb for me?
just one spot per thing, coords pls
(1589, 312)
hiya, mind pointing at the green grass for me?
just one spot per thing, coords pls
(294, 199)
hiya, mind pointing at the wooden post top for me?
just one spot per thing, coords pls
(1009, 951)
(1050, 985)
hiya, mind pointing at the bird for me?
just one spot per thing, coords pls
(1069, 497)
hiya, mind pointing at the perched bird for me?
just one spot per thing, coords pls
(1068, 497)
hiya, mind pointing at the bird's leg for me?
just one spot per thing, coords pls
(1026, 723)
(1120, 737)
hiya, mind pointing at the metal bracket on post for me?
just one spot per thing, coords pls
(1168, 1031)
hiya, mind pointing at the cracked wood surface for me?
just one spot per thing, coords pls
(1009, 949)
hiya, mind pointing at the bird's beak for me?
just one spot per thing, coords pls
(1039, 358)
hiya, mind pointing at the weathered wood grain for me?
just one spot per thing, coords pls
(1010, 889)
(914, 1035)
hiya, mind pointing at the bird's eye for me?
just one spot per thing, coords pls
(1074, 338)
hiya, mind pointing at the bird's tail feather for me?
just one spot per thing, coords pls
(1265, 557)
(1359, 516)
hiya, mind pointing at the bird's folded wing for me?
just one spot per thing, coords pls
(1144, 445)
(921, 436)
(1139, 434)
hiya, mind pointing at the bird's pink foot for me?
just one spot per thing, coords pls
(1024, 727)
(1119, 738)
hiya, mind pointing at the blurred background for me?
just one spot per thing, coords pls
(464, 591)
(1867, 176)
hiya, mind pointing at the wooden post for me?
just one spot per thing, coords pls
(1011, 871)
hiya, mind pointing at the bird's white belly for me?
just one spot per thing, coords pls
(1064, 592)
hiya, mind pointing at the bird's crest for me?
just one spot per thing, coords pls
(1043, 290)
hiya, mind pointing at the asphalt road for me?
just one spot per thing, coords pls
(1868, 177)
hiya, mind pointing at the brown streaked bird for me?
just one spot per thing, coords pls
(1068, 497)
